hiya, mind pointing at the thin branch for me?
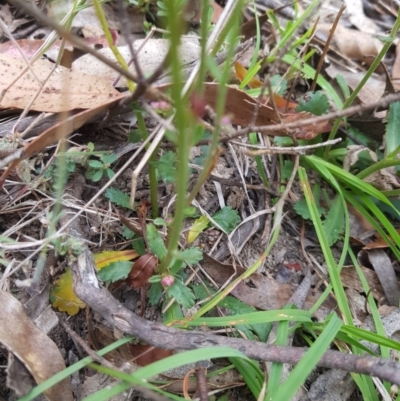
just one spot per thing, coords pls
(100, 300)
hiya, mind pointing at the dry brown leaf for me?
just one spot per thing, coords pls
(142, 270)
(354, 44)
(64, 91)
(263, 293)
(240, 106)
(383, 267)
(350, 279)
(145, 354)
(38, 353)
(379, 243)
(371, 92)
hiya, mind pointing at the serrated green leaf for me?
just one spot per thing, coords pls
(227, 218)
(166, 167)
(96, 164)
(392, 129)
(316, 104)
(118, 197)
(182, 294)
(334, 221)
(115, 271)
(156, 243)
(155, 293)
(191, 255)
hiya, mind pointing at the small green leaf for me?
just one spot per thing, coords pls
(155, 293)
(182, 294)
(127, 233)
(191, 255)
(287, 170)
(118, 197)
(156, 243)
(139, 246)
(174, 312)
(343, 85)
(96, 164)
(316, 103)
(227, 218)
(109, 159)
(97, 175)
(301, 207)
(159, 222)
(109, 173)
(334, 221)
(115, 271)
(154, 279)
(166, 167)
(135, 136)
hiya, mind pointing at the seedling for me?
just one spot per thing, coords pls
(98, 168)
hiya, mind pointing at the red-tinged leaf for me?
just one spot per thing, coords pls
(153, 354)
(29, 47)
(281, 102)
(63, 296)
(103, 259)
(256, 83)
(293, 266)
(142, 270)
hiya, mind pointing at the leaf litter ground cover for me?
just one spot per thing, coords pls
(202, 220)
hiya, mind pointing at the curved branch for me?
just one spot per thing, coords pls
(99, 299)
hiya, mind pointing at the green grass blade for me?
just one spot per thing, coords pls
(301, 371)
(70, 370)
(250, 318)
(330, 261)
(275, 375)
(251, 373)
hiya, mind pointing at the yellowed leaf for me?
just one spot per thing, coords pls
(197, 228)
(63, 296)
(103, 259)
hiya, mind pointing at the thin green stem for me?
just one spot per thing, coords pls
(183, 121)
(385, 163)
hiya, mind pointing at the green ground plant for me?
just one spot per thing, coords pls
(172, 167)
